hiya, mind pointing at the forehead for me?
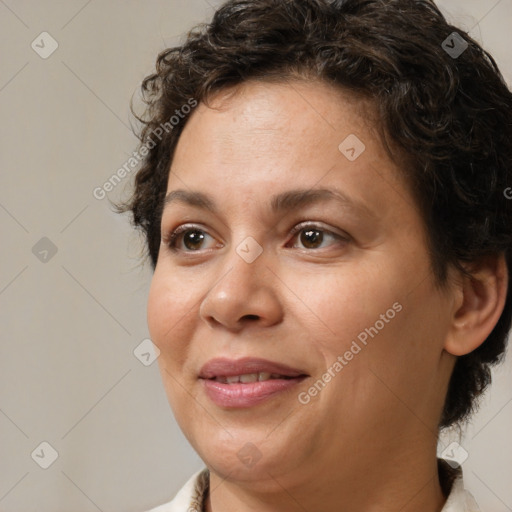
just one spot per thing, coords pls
(266, 137)
(298, 114)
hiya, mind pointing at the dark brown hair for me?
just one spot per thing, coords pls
(441, 103)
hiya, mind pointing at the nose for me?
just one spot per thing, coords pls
(243, 293)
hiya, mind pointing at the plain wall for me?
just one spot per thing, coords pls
(70, 323)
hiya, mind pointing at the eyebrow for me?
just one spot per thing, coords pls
(279, 203)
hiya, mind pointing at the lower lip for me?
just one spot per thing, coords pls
(241, 395)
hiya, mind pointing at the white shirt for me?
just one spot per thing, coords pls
(190, 497)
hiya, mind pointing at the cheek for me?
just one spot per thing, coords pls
(168, 305)
(343, 305)
(402, 360)
(167, 309)
(158, 310)
(382, 324)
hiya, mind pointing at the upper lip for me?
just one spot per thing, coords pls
(224, 367)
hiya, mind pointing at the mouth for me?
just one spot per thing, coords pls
(250, 377)
(247, 382)
(249, 368)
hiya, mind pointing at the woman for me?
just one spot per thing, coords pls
(324, 201)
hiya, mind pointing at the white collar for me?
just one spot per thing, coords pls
(460, 499)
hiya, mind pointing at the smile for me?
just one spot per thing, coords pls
(250, 377)
(247, 382)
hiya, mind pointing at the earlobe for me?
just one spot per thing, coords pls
(481, 299)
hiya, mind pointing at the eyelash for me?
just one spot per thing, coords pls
(173, 237)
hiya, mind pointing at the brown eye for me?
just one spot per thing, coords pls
(192, 239)
(186, 238)
(312, 236)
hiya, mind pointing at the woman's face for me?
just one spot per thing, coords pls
(342, 314)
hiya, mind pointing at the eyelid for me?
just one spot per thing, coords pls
(317, 224)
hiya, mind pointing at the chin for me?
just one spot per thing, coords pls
(244, 456)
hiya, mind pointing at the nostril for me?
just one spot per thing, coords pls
(252, 317)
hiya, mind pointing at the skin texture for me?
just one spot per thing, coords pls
(367, 441)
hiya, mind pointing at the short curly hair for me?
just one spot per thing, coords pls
(441, 103)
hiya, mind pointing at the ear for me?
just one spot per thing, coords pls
(480, 300)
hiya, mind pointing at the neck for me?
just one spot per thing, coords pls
(402, 484)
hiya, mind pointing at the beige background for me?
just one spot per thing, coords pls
(70, 324)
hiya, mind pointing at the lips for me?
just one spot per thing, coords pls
(220, 368)
(244, 383)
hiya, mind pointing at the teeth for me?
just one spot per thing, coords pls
(249, 377)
